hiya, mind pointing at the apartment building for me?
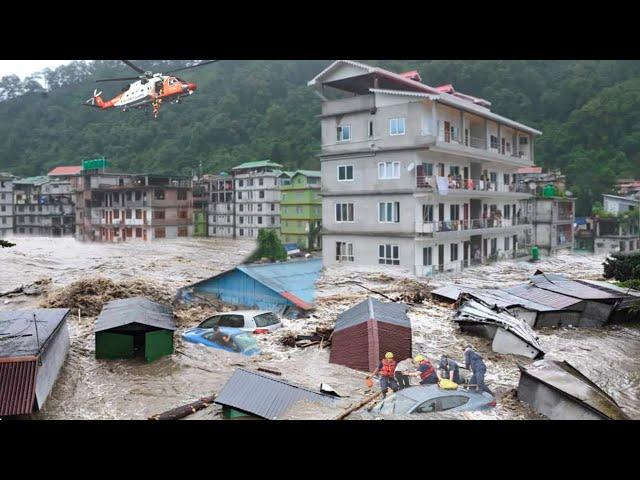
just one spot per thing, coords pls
(221, 208)
(43, 206)
(619, 229)
(415, 176)
(257, 197)
(118, 207)
(6, 204)
(301, 208)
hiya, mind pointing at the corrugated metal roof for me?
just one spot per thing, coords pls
(18, 330)
(39, 180)
(265, 396)
(65, 170)
(450, 292)
(542, 296)
(257, 164)
(371, 308)
(17, 385)
(118, 313)
(564, 286)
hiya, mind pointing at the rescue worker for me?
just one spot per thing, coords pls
(387, 369)
(402, 373)
(448, 368)
(474, 362)
(425, 370)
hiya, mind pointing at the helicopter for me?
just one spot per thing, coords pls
(149, 90)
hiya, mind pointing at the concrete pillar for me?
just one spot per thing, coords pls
(499, 139)
(486, 135)
(461, 134)
(434, 118)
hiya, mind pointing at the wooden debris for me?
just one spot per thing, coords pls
(184, 410)
(269, 370)
(358, 406)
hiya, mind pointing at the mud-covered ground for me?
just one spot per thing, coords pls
(132, 389)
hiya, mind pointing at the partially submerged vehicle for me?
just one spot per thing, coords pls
(432, 399)
(255, 321)
(233, 340)
(561, 392)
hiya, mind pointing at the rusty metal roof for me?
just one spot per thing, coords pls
(17, 385)
(265, 396)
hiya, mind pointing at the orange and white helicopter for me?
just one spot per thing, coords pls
(149, 90)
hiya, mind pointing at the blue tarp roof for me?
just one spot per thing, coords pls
(581, 220)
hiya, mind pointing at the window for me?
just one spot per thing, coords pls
(183, 214)
(507, 212)
(299, 210)
(494, 142)
(344, 133)
(427, 169)
(241, 220)
(427, 256)
(494, 246)
(182, 194)
(506, 244)
(242, 232)
(241, 183)
(454, 252)
(493, 177)
(344, 212)
(396, 126)
(447, 403)
(127, 213)
(159, 195)
(239, 195)
(388, 170)
(138, 214)
(427, 213)
(266, 319)
(233, 321)
(261, 181)
(138, 195)
(139, 232)
(129, 196)
(261, 194)
(388, 212)
(345, 173)
(160, 233)
(259, 207)
(370, 131)
(344, 252)
(389, 254)
(183, 231)
(273, 207)
(260, 220)
(249, 182)
(429, 406)
(524, 140)
(157, 214)
(454, 212)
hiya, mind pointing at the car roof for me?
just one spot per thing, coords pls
(242, 312)
(426, 392)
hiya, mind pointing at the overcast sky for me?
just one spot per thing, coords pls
(24, 68)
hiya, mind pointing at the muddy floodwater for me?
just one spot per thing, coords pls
(132, 389)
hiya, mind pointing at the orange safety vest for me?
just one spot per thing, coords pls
(388, 368)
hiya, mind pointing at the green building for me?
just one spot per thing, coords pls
(301, 208)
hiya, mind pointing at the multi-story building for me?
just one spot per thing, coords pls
(618, 229)
(201, 195)
(551, 211)
(6, 204)
(416, 176)
(301, 208)
(43, 206)
(221, 206)
(257, 194)
(113, 207)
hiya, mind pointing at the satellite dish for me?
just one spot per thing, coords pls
(532, 185)
(410, 167)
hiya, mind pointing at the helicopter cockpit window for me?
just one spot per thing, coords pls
(172, 81)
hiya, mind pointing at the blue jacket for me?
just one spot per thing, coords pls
(473, 361)
(448, 366)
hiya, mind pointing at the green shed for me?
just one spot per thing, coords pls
(134, 327)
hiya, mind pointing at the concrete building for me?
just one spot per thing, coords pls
(116, 207)
(416, 176)
(6, 204)
(301, 208)
(257, 197)
(552, 213)
(43, 206)
(618, 232)
(221, 208)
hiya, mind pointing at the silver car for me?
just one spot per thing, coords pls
(432, 399)
(255, 321)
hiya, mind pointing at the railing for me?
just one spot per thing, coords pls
(461, 184)
(469, 224)
(476, 142)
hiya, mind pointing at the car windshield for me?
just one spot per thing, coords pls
(210, 322)
(266, 319)
(245, 341)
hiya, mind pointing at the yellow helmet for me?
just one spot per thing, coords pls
(418, 358)
(388, 355)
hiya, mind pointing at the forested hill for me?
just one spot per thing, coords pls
(588, 111)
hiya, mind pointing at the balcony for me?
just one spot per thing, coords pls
(472, 226)
(468, 187)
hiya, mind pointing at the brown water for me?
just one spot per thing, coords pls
(98, 389)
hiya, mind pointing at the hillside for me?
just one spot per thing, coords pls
(589, 112)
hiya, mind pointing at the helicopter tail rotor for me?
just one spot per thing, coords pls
(95, 100)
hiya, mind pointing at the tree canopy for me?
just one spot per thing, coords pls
(588, 111)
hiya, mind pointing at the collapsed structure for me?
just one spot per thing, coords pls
(33, 348)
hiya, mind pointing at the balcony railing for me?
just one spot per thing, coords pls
(469, 224)
(461, 184)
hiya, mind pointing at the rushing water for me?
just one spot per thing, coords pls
(132, 389)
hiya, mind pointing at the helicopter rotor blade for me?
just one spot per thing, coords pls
(136, 68)
(119, 79)
(191, 66)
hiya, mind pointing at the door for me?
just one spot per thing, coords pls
(440, 258)
(466, 247)
(502, 141)
(465, 215)
(158, 344)
(447, 132)
(484, 248)
(114, 345)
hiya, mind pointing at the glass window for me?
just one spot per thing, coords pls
(429, 406)
(389, 212)
(344, 212)
(345, 173)
(235, 321)
(397, 126)
(266, 319)
(427, 213)
(389, 254)
(210, 322)
(370, 132)
(454, 252)
(447, 403)
(344, 133)
(344, 252)
(159, 194)
(427, 257)
(388, 170)
(244, 341)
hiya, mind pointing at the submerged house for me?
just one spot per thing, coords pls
(286, 288)
(133, 327)
(365, 332)
(33, 347)
(252, 394)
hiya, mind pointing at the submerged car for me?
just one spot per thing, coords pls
(230, 339)
(255, 321)
(431, 399)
